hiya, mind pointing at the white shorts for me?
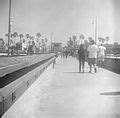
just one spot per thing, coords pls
(101, 57)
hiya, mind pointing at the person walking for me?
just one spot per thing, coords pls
(101, 55)
(92, 56)
(81, 58)
(66, 53)
(24, 46)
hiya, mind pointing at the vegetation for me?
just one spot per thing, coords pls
(16, 41)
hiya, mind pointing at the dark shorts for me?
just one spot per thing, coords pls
(92, 61)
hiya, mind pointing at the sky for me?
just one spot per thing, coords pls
(62, 17)
(117, 20)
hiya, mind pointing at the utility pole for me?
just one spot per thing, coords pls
(51, 41)
(95, 29)
(9, 27)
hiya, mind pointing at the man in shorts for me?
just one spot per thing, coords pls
(101, 55)
(92, 55)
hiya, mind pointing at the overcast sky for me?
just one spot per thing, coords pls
(62, 17)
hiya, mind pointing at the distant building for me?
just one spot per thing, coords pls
(56, 47)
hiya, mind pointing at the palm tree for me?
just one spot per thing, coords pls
(107, 38)
(46, 39)
(32, 37)
(42, 40)
(70, 38)
(86, 43)
(15, 34)
(42, 44)
(82, 38)
(74, 39)
(45, 46)
(11, 35)
(70, 42)
(90, 39)
(6, 37)
(27, 35)
(38, 35)
(99, 39)
(103, 40)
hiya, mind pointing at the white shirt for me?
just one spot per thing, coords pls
(102, 50)
(24, 46)
(37, 44)
(93, 49)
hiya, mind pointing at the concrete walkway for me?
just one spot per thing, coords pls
(64, 93)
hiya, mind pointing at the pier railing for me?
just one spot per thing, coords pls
(34, 67)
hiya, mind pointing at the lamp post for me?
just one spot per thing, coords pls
(95, 28)
(9, 26)
(51, 41)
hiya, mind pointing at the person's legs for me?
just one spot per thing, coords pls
(102, 61)
(66, 56)
(83, 64)
(79, 66)
(94, 64)
(98, 62)
(90, 65)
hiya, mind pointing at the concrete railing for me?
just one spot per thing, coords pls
(11, 64)
(112, 63)
(10, 93)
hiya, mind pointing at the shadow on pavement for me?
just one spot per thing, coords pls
(110, 93)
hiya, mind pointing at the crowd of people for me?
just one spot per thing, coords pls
(94, 55)
(29, 47)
